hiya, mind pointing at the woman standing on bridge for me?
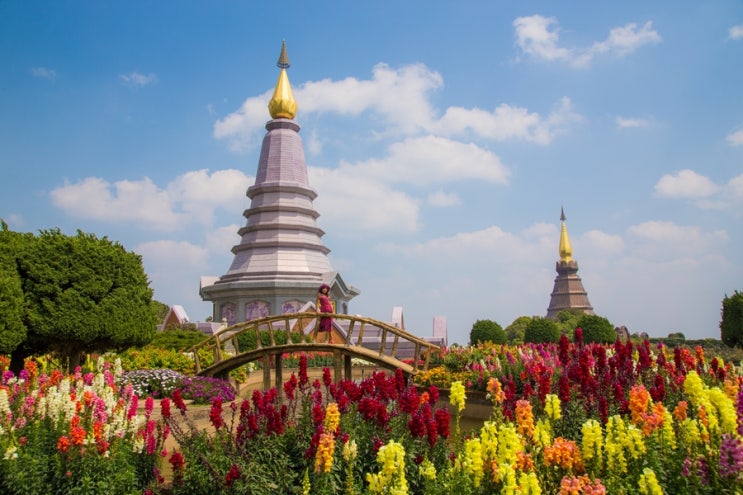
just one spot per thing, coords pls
(323, 305)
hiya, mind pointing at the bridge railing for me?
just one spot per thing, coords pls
(301, 328)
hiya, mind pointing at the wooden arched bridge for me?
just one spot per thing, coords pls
(296, 333)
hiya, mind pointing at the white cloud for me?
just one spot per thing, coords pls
(170, 266)
(44, 73)
(350, 205)
(427, 160)
(685, 184)
(443, 199)
(400, 102)
(735, 138)
(539, 37)
(628, 123)
(665, 235)
(534, 37)
(137, 80)
(190, 198)
(735, 186)
(509, 122)
(469, 247)
(736, 32)
(608, 244)
(628, 38)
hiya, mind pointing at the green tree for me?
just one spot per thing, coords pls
(541, 330)
(597, 329)
(515, 331)
(731, 324)
(161, 310)
(82, 294)
(12, 327)
(487, 331)
(567, 320)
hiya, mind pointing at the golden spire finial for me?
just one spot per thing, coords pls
(566, 250)
(282, 104)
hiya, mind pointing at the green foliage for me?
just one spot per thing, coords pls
(597, 329)
(177, 339)
(83, 294)
(151, 357)
(731, 324)
(515, 331)
(487, 331)
(12, 327)
(541, 330)
(247, 340)
(567, 320)
(160, 309)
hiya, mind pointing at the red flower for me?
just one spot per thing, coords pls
(215, 414)
(232, 475)
(178, 401)
(165, 408)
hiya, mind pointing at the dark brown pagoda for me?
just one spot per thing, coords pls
(568, 292)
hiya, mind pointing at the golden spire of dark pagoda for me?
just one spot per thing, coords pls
(566, 250)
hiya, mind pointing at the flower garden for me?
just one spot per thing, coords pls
(567, 418)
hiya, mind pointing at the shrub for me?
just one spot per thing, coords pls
(541, 330)
(487, 331)
(597, 329)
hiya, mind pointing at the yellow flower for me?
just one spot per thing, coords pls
(456, 396)
(616, 462)
(472, 461)
(391, 477)
(552, 407)
(694, 387)
(648, 483)
(306, 486)
(529, 484)
(332, 417)
(593, 440)
(668, 435)
(350, 450)
(489, 439)
(427, 470)
(634, 442)
(542, 433)
(509, 443)
(725, 410)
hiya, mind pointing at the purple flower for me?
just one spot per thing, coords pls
(731, 456)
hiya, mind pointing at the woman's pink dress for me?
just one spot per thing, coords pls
(326, 322)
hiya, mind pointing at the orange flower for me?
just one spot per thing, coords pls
(524, 418)
(77, 435)
(495, 390)
(639, 402)
(63, 443)
(524, 461)
(679, 412)
(653, 420)
(564, 453)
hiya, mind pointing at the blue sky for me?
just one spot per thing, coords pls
(442, 137)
